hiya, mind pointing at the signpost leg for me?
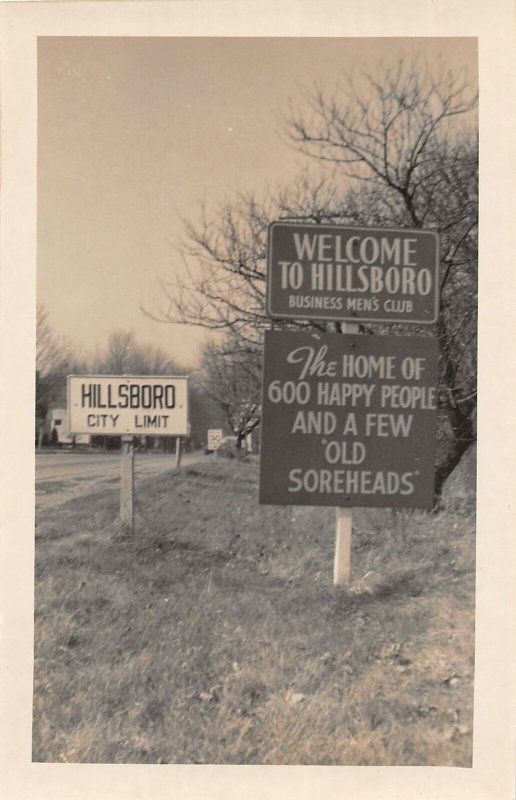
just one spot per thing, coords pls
(178, 451)
(343, 519)
(127, 485)
(342, 562)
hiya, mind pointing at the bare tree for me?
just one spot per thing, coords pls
(55, 360)
(232, 379)
(152, 360)
(221, 280)
(51, 350)
(396, 149)
(123, 354)
(409, 142)
(119, 355)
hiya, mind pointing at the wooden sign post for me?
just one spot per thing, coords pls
(179, 447)
(127, 485)
(343, 519)
(342, 561)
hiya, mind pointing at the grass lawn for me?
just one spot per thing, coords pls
(215, 634)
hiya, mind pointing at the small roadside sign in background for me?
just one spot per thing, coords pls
(107, 405)
(215, 437)
(127, 406)
(348, 420)
(335, 272)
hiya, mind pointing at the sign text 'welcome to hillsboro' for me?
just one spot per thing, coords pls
(333, 272)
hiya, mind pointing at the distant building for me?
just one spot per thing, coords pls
(56, 429)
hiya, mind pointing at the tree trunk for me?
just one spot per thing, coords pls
(463, 436)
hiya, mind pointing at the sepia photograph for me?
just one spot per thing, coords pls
(258, 465)
(256, 550)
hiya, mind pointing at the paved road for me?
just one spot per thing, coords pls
(70, 465)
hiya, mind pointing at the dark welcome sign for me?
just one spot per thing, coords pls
(348, 420)
(335, 272)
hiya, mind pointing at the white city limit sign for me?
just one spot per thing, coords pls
(128, 405)
(336, 272)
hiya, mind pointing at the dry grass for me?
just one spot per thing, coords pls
(216, 636)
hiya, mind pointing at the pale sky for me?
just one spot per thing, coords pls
(134, 133)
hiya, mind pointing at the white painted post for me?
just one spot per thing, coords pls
(343, 519)
(342, 562)
(127, 485)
